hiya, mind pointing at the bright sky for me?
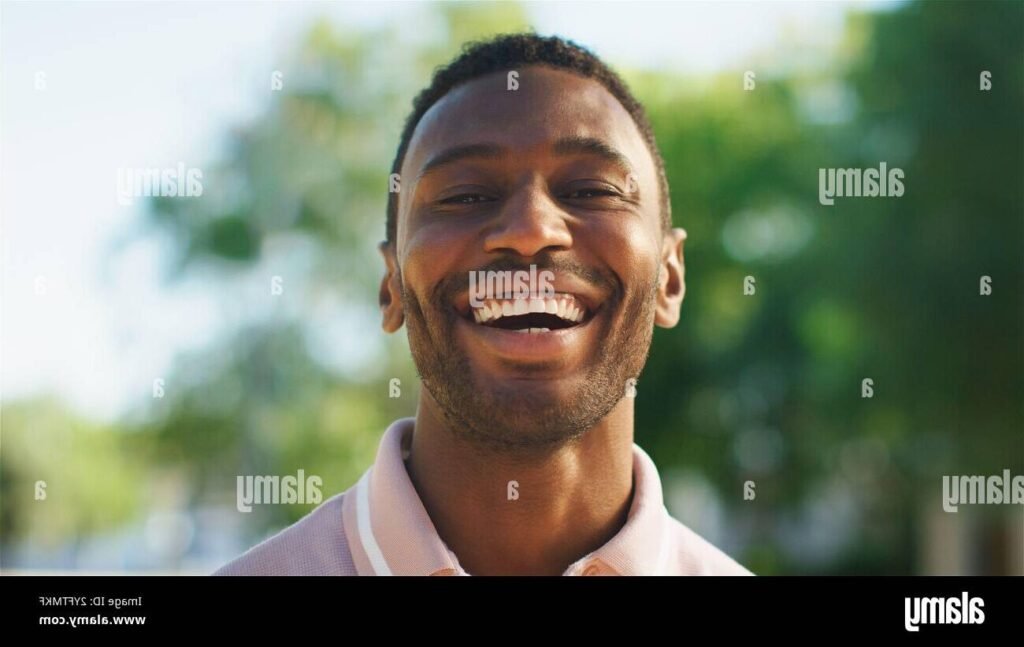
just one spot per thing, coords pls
(154, 84)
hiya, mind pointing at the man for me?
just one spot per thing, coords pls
(525, 155)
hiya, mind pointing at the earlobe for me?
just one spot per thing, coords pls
(671, 280)
(390, 296)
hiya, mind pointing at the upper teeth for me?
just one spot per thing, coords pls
(564, 306)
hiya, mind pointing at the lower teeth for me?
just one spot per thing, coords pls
(533, 330)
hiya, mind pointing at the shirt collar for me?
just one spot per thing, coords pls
(390, 532)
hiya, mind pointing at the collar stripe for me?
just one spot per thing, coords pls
(366, 538)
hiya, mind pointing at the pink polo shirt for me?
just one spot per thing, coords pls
(380, 527)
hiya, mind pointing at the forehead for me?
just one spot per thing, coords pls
(548, 105)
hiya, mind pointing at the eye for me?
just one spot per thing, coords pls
(591, 192)
(466, 198)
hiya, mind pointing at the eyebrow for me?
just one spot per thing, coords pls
(565, 146)
(595, 147)
(459, 153)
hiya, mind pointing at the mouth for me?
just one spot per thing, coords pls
(530, 315)
(543, 335)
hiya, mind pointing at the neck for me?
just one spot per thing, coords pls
(563, 503)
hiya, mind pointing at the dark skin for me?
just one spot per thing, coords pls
(524, 197)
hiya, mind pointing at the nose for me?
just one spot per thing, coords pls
(530, 222)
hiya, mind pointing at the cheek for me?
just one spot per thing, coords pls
(428, 255)
(630, 249)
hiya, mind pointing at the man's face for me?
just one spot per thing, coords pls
(554, 174)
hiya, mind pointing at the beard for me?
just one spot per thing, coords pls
(528, 416)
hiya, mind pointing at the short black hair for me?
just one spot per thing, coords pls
(509, 51)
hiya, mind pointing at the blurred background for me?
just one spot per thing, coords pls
(147, 360)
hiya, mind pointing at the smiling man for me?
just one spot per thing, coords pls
(524, 155)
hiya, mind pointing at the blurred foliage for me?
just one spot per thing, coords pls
(768, 387)
(75, 477)
(765, 387)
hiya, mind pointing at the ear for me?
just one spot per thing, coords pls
(390, 296)
(671, 279)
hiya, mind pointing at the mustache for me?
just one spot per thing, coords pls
(457, 283)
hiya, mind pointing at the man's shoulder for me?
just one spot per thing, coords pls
(695, 555)
(313, 545)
